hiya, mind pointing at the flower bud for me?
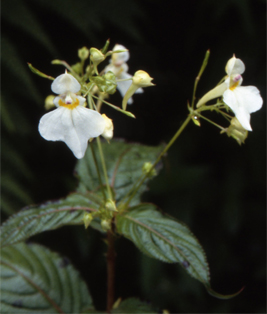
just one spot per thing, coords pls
(237, 131)
(96, 56)
(49, 102)
(108, 131)
(83, 53)
(87, 218)
(146, 169)
(110, 205)
(106, 224)
(142, 79)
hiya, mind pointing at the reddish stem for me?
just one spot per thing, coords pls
(110, 270)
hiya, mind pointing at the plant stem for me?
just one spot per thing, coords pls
(110, 270)
(98, 171)
(139, 183)
(104, 167)
(203, 66)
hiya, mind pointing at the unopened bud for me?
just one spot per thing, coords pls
(146, 169)
(110, 205)
(49, 102)
(83, 53)
(142, 79)
(106, 224)
(96, 56)
(108, 131)
(87, 218)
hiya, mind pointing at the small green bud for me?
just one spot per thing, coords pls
(96, 56)
(106, 83)
(49, 102)
(110, 205)
(77, 67)
(146, 169)
(83, 53)
(87, 218)
(106, 224)
(195, 119)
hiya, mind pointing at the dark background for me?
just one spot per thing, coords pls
(211, 183)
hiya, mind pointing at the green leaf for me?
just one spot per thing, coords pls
(36, 280)
(49, 216)
(124, 164)
(165, 239)
(133, 305)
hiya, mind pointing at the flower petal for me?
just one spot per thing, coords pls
(74, 127)
(234, 66)
(249, 97)
(214, 93)
(65, 83)
(235, 102)
(121, 57)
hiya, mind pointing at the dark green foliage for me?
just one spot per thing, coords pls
(124, 164)
(36, 280)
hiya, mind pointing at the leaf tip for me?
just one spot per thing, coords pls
(223, 296)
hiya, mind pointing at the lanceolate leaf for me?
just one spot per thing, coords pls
(124, 164)
(36, 280)
(49, 216)
(165, 239)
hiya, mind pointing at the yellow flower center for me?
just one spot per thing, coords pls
(69, 106)
(234, 86)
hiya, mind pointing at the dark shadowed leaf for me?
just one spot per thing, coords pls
(48, 216)
(165, 239)
(124, 164)
(36, 280)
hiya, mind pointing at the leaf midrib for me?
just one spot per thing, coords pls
(35, 286)
(165, 239)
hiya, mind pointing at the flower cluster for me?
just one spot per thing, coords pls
(243, 100)
(73, 123)
(120, 68)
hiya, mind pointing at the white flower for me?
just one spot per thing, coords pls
(243, 100)
(108, 131)
(71, 122)
(120, 68)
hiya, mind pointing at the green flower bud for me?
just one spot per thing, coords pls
(77, 67)
(110, 205)
(106, 83)
(146, 169)
(96, 56)
(83, 53)
(49, 102)
(87, 218)
(106, 224)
